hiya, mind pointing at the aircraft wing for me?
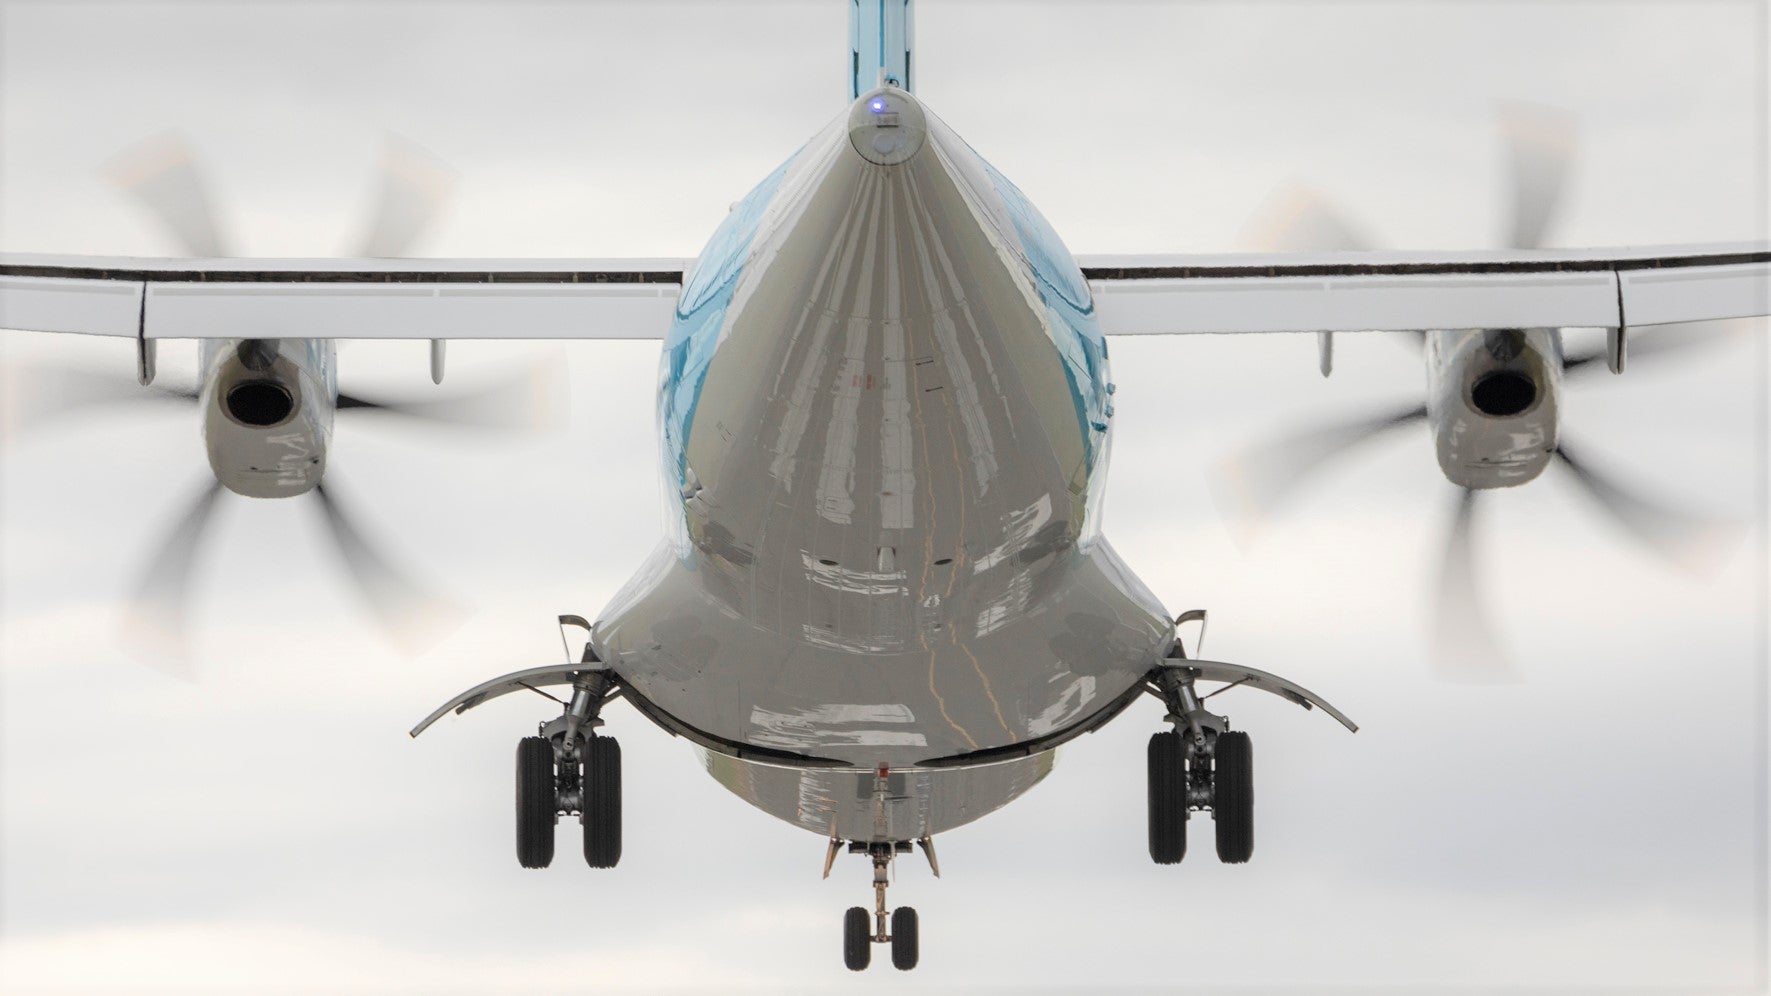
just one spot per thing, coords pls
(636, 299)
(340, 298)
(1399, 291)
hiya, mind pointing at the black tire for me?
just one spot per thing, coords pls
(602, 802)
(536, 802)
(904, 938)
(1168, 797)
(857, 938)
(1232, 797)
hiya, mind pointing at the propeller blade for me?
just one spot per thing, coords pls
(1464, 648)
(413, 617)
(156, 617)
(532, 400)
(1539, 144)
(1258, 481)
(162, 174)
(1295, 218)
(414, 184)
(1695, 543)
(1676, 340)
(32, 393)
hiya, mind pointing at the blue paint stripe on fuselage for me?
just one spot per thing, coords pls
(1070, 315)
(701, 318)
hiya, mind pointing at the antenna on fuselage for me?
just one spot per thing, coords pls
(880, 39)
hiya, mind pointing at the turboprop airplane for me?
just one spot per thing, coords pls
(885, 598)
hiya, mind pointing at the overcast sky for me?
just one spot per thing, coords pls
(270, 827)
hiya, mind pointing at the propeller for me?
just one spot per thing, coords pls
(1538, 148)
(159, 610)
(1258, 482)
(530, 399)
(412, 189)
(1296, 218)
(162, 174)
(34, 393)
(1538, 142)
(1464, 647)
(156, 617)
(411, 615)
(1695, 543)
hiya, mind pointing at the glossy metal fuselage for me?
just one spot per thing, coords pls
(885, 411)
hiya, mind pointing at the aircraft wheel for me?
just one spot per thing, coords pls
(1232, 806)
(857, 938)
(1168, 797)
(904, 938)
(536, 802)
(602, 802)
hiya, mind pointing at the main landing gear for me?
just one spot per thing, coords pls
(900, 928)
(566, 769)
(1201, 764)
(569, 770)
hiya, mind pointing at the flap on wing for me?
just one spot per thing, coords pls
(90, 307)
(1351, 303)
(1695, 293)
(409, 311)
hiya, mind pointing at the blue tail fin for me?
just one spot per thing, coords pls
(880, 39)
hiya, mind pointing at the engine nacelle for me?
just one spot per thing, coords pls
(1494, 403)
(267, 416)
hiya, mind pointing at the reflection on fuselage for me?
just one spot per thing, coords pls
(886, 409)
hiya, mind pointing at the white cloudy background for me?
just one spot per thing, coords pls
(270, 827)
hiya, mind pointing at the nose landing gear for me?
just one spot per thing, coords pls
(900, 928)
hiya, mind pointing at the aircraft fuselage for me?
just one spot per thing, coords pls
(886, 410)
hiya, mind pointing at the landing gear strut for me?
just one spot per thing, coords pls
(1201, 764)
(900, 927)
(567, 769)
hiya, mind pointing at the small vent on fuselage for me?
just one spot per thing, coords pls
(260, 403)
(1503, 393)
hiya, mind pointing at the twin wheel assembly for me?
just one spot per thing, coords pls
(1199, 764)
(568, 769)
(556, 778)
(862, 929)
(1215, 772)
